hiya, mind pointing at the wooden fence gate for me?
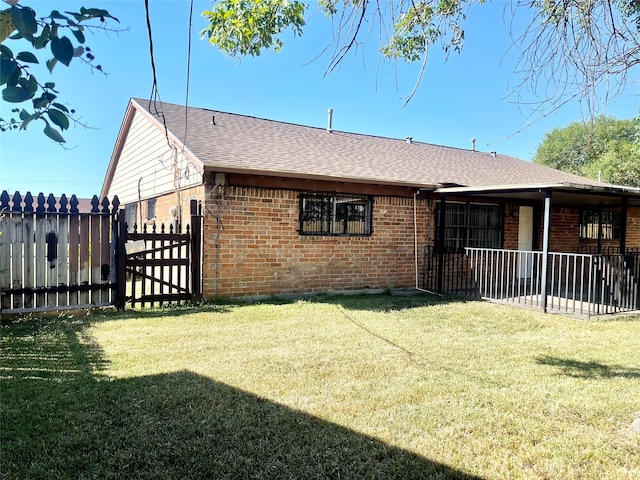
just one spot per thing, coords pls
(158, 265)
(53, 256)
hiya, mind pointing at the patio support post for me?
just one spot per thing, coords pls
(545, 249)
(600, 230)
(623, 226)
(441, 233)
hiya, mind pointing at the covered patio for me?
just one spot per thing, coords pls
(564, 248)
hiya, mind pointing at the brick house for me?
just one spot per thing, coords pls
(291, 209)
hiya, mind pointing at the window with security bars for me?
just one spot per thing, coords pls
(471, 225)
(593, 222)
(326, 214)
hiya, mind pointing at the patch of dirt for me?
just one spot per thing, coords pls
(635, 425)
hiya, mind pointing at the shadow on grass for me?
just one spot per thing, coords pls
(61, 418)
(377, 302)
(578, 369)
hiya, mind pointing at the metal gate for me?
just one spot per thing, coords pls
(158, 265)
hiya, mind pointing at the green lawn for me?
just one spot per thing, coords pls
(346, 387)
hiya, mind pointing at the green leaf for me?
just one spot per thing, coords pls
(24, 19)
(12, 81)
(6, 51)
(8, 67)
(62, 49)
(16, 94)
(58, 118)
(43, 100)
(53, 134)
(24, 114)
(51, 63)
(42, 40)
(50, 85)
(57, 15)
(27, 57)
(28, 120)
(59, 106)
(79, 35)
(32, 84)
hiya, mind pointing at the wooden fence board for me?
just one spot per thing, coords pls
(94, 233)
(83, 273)
(51, 229)
(28, 253)
(74, 251)
(5, 258)
(51, 255)
(54, 257)
(105, 257)
(62, 262)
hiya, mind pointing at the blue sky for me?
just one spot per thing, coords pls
(463, 98)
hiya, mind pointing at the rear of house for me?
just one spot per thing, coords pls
(296, 209)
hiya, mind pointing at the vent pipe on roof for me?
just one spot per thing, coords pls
(330, 120)
(213, 119)
(494, 154)
(473, 144)
(409, 139)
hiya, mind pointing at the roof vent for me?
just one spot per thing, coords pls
(473, 144)
(494, 154)
(330, 120)
(409, 139)
(213, 119)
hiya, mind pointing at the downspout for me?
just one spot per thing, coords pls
(415, 243)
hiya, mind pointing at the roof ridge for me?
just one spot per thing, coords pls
(344, 132)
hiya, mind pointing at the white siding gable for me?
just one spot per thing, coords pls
(147, 167)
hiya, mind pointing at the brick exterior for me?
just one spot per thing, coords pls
(252, 245)
(255, 247)
(165, 202)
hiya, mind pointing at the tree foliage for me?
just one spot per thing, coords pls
(62, 35)
(571, 49)
(606, 148)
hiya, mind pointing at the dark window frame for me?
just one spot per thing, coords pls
(594, 223)
(468, 224)
(151, 208)
(335, 214)
(131, 215)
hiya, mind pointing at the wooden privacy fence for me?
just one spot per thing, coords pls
(52, 256)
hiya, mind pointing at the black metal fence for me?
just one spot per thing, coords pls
(582, 284)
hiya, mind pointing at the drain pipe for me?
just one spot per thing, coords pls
(415, 244)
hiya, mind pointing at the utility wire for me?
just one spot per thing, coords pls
(155, 94)
(186, 100)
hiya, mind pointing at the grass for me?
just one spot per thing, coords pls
(333, 387)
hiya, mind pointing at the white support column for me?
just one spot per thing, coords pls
(545, 249)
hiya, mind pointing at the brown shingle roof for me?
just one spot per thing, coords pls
(238, 143)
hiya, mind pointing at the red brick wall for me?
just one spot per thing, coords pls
(255, 248)
(165, 202)
(633, 227)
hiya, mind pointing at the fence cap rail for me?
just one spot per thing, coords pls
(51, 204)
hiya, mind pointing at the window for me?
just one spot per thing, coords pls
(322, 214)
(130, 213)
(151, 208)
(591, 225)
(470, 225)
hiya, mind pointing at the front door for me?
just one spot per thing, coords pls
(525, 241)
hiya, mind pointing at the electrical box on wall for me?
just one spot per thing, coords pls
(219, 179)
